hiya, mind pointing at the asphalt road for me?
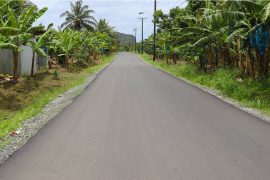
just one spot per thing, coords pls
(137, 123)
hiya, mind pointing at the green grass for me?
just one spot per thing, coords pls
(250, 93)
(42, 89)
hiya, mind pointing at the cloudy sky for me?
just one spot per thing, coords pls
(121, 14)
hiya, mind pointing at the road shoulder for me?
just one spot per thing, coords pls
(215, 93)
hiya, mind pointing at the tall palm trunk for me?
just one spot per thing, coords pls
(33, 64)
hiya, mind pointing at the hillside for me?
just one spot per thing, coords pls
(125, 40)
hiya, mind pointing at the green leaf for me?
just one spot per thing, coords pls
(8, 46)
(9, 31)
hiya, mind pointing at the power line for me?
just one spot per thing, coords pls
(183, 2)
(147, 9)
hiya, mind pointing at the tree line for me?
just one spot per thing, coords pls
(216, 34)
(80, 37)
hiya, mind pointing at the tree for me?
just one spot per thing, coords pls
(97, 42)
(164, 40)
(39, 45)
(218, 34)
(66, 41)
(17, 30)
(79, 17)
(104, 27)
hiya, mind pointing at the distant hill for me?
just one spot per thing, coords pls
(125, 39)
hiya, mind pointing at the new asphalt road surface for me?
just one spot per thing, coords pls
(138, 123)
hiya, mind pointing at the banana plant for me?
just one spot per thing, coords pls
(17, 30)
(66, 41)
(164, 41)
(97, 42)
(39, 45)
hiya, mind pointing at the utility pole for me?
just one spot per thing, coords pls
(142, 32)
(135, 30)
(155, 33)
(129, 45)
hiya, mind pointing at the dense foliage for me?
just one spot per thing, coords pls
(215, 34)
(80, 40)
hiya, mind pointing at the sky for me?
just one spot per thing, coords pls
(121, 14)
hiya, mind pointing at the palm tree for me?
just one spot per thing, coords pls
(79, 17)
(104, 27)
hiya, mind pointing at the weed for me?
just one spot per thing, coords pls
(55, 75)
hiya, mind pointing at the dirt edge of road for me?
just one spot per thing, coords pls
(217, 94)
(32, 126)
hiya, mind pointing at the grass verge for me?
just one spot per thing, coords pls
(28, 97)
(250, 93)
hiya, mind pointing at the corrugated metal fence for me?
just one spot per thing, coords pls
(25, 61)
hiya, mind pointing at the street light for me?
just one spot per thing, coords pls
(135, 30)
(142, 27)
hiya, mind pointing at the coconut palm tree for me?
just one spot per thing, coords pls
(79, 17)
(104, 27)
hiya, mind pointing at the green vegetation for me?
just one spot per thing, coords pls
(248, 92)
(217, 34)
(16, 28)
(222, 44)
(80, 41)
(28, 98)
(83, 46)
